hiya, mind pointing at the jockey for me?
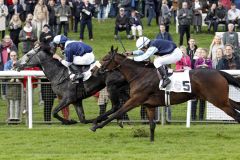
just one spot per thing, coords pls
(166, 53)
(76, 53)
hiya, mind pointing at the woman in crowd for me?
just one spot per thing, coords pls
(216, 43)
(40, 16)
(185, 62)
(165, 15)
(201, 62)
(15, 26)
(3, 17)
(13, 92)
(27, 36)
(219, 55)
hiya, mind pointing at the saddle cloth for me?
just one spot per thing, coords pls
(180, 82)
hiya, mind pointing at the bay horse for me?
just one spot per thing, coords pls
(73, 93)
(207, 84)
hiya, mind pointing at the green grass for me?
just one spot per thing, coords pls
(54, 142)
(47, 142)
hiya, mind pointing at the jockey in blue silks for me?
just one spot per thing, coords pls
(166, 53)
(76, 53)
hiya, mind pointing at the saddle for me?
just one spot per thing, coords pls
(83, 68)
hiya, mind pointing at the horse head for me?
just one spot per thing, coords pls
(107, 62)
(33, 58)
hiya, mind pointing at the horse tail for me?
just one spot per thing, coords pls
(231, 80)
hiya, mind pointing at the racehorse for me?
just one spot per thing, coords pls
(73, 93)
(207, 84)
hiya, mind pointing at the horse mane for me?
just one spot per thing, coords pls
(145, 64)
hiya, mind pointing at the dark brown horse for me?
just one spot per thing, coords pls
(207, 84)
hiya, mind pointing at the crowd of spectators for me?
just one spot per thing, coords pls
(29, 21)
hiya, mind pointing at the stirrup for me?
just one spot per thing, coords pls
(165, 82)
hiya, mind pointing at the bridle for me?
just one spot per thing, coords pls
(103, 69)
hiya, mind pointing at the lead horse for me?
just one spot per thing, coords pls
(207, 84)
(73, 93)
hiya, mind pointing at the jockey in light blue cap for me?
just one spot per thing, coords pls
(76, 53)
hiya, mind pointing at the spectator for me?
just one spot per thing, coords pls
(165, 15)
(174, 10)
(197, 16)
(122, 23)
(30, 5)
(46, 35)
(150, 8)
(16, 8)
(6, 46)
(221, 14)
(15, 26)
(216, 43)
(219, 55)
(185, 62)
(52, 22)
(211, 18)
(229, 60)
(13, 92)
(234, 15)
(191, 49)
(231, 37)
(3, 17)
(163, 34)
(63, 12)
(87, 11)
(101, 7)
(201, 62)
(76, 13)
(184, 19)
(40, 16)
(27, 37)
(136, 24)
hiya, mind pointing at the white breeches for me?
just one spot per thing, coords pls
(137, 28)
(86, 59)
(175, 56)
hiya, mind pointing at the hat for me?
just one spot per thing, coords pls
(121, 9)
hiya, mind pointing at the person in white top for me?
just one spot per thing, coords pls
(234, 15)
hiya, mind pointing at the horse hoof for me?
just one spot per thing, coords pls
(120, 124)
(72, 121)
(93, 129)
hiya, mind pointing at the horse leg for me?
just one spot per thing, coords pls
(130, 104)
(235, 104)
(152, 123)
(62, 104)
(80, 112)
(228, 107)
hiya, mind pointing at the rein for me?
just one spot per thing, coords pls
(119, 65)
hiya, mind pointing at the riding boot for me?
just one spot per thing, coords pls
(164, 75)
(76, 70)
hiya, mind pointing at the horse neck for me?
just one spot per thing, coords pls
(53, 70)
(128, 67)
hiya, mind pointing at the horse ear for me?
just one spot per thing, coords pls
(116, 50)
(112, 49)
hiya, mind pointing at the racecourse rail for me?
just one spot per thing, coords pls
(29, 74)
